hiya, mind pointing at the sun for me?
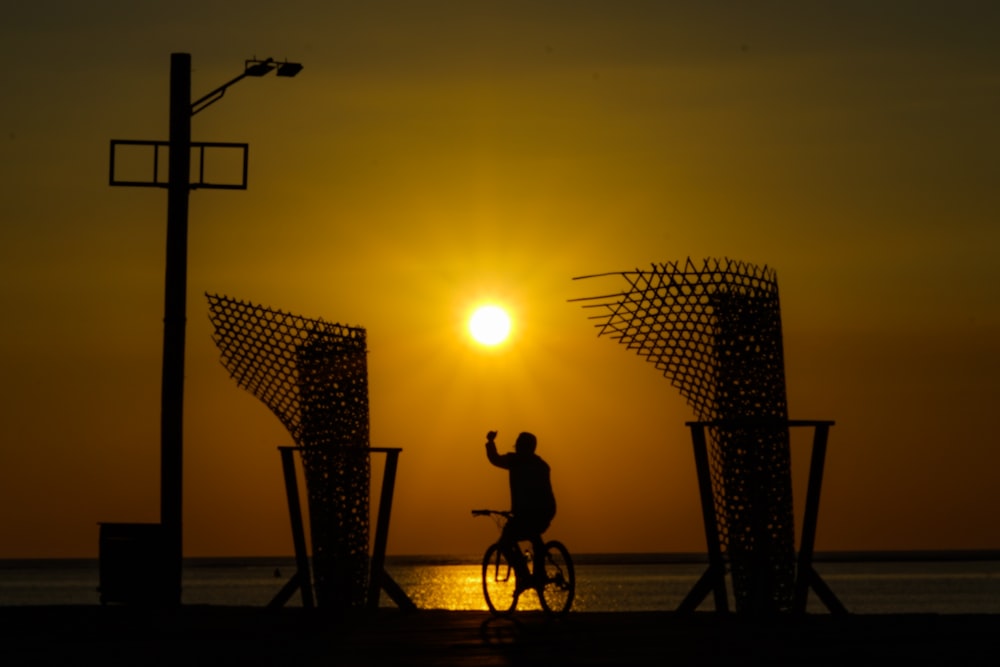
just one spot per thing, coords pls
(489, 325)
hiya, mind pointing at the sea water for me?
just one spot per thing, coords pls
(604, 583)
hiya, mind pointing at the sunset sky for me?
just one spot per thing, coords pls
(432, 156)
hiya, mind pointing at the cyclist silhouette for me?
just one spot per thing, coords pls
(532, 503)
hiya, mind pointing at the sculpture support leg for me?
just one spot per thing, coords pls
(714, 577)
(301, 578)
(380, 579)
(807, 576)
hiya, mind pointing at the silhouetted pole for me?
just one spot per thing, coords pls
(174, 322)
(179, 184)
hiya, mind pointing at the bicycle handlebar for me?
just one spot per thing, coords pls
(503, 513)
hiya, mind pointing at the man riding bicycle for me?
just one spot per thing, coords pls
(532, 503)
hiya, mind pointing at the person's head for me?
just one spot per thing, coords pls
(525, 443)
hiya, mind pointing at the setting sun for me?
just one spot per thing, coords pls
(489, 325)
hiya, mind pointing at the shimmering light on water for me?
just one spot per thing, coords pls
(960, 587)
(450, 587)
(599, 587)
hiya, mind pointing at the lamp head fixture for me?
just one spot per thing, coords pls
(255, 67)
(289, 69)
(258, 67)
(251, 67)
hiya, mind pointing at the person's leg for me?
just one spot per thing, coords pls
(532, 530)
(509, 539)
(538, 556)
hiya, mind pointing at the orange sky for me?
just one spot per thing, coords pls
(432, 155)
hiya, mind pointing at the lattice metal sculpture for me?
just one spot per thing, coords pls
(313, 375)
(715, 332)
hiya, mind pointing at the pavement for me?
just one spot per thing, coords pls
(248, 636)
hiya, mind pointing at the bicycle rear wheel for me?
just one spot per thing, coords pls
(559, 585)
(499, 581)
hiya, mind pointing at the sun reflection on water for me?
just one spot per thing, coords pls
(457, 587)
(451, 587)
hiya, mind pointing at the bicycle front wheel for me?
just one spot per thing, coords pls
(499, 581)
(559, 585)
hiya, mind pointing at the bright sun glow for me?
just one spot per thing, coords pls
(489, 325)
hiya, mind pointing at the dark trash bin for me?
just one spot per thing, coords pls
(132, 564)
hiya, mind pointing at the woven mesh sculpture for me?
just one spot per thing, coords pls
(715, 332)
(313, 375)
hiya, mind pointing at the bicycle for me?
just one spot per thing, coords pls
(555, 582)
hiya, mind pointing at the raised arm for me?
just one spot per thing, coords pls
(491, 451)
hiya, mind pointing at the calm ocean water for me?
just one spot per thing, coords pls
(604, 583)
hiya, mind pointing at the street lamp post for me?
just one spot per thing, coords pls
(179, 186)
(174, 322)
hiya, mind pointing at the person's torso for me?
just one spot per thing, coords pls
(531, 487)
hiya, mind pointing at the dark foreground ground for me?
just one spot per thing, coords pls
(193, 635)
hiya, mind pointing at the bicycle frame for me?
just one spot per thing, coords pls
(502, 570)
(551, 573)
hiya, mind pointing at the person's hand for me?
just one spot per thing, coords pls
(490, 436)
